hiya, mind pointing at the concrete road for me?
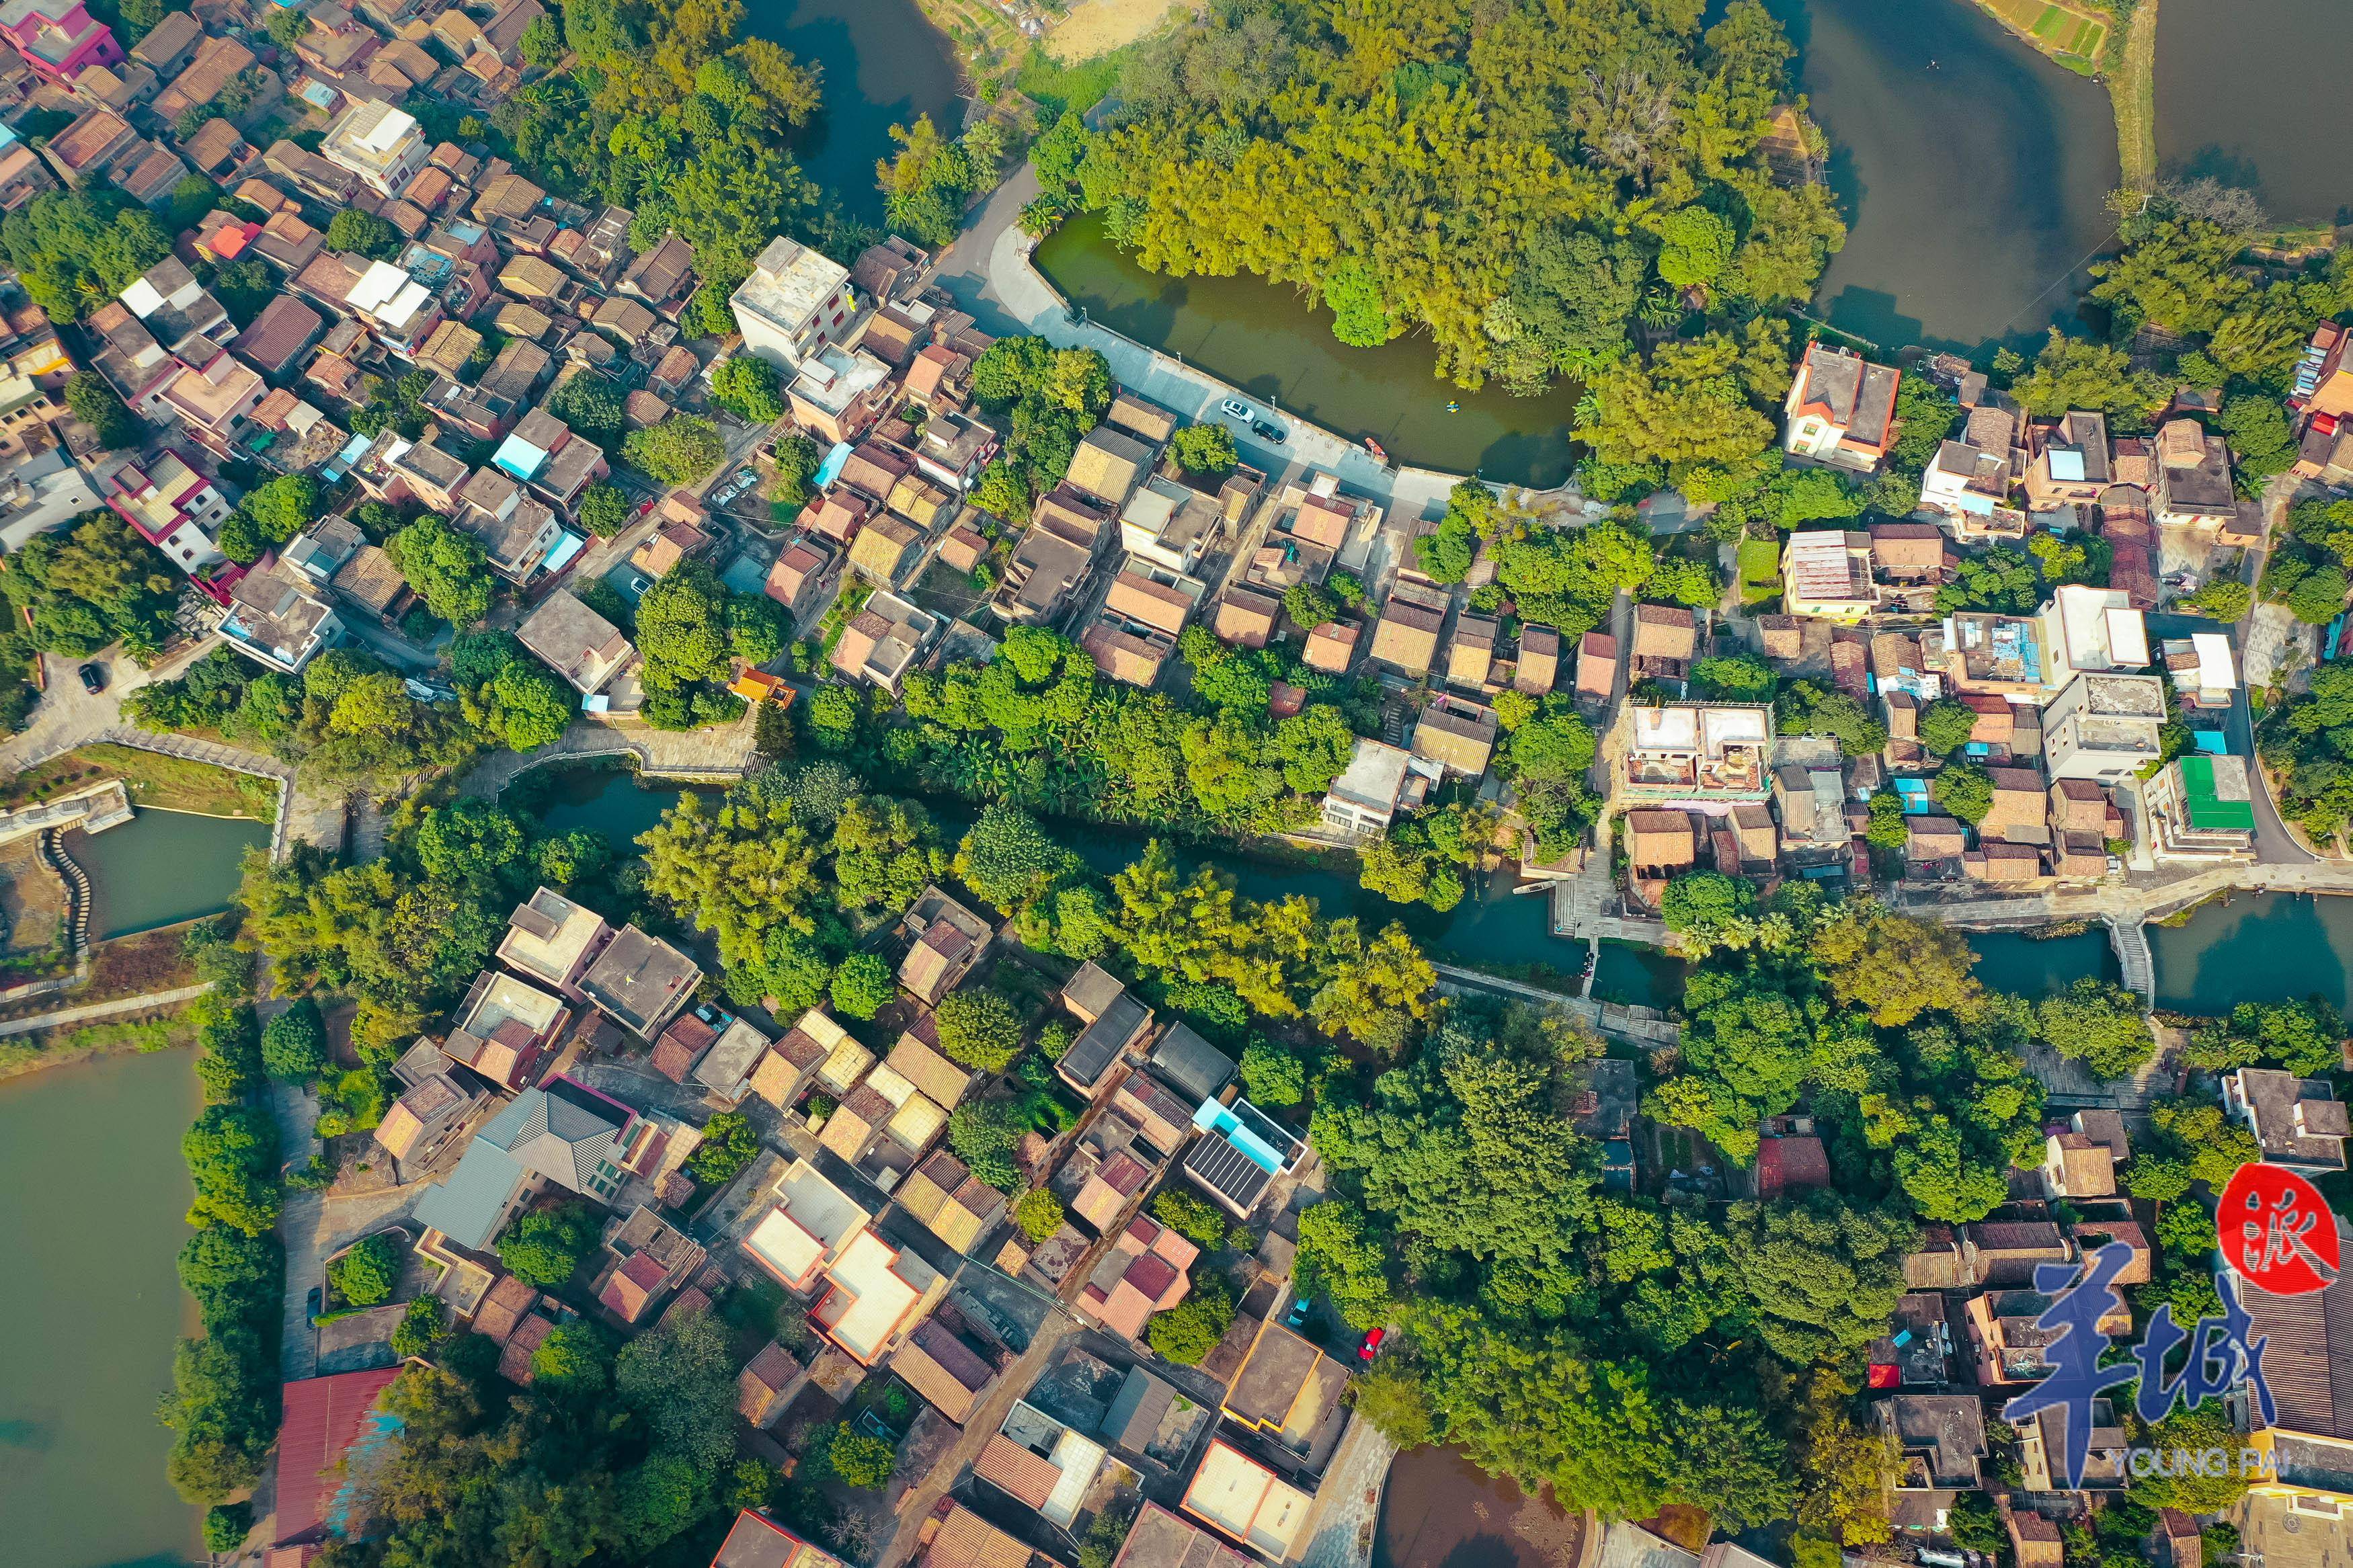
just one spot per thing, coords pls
(70, 716)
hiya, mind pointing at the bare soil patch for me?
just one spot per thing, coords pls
(1098, 27)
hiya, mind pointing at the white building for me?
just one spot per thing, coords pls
(2203, 671)
(39, 491)
(1381, 780)
(795, 302)
(383, 145)
(403, 312)
(2104, 727)
(175, 508)
(1840, 410)
(274, 620)
(2089, 630)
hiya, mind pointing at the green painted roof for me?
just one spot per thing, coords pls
(2208, 811)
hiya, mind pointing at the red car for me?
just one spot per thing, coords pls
(1372, 1345)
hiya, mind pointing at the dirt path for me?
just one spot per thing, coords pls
(2132, 88)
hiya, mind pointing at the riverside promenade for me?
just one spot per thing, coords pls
(989, 272)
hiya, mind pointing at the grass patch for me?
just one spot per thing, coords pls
(1760, 570)
(171, 784)
(1056, 87)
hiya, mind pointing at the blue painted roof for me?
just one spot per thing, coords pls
(518, 457)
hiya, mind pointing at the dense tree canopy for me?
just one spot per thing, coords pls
(1565, 153)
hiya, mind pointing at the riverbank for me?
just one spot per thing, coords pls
(991, 271)
(2132, 88)
(2089, 42)
(169, 783)
(159, 1023)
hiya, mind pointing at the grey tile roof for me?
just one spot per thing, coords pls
(561, 1132)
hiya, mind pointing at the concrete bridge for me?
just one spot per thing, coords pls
(2130, 939)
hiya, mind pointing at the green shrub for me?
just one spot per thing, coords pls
(366, 1274)
(1038, 1213)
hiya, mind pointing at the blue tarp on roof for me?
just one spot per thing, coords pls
(831, 467)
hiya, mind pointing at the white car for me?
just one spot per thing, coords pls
(1235, 408)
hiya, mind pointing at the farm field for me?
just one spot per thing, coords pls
(2073, 36)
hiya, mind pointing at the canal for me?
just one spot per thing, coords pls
(161, 868)
(1971, 168)
(2258, 947)
(89, 1308)
(2243, 95)
(1491, 924)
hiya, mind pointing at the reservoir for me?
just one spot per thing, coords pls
(1971, 168)
(161, 868)
(90, 1310)
(2251, 92)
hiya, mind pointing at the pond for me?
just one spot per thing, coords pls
(883, 65)
(1638, 975)
(2258, 947)
(1971, 171)
(2252, 93)
(1278, 346)
(2039, 967)
(89, 1309)
(1439, 1511)
(161, 868)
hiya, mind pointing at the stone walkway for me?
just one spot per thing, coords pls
(988, 272)
(1348, 1503)
(2130, 904)
(719, 756)
(314, 1226)
(115, 1008)
(307, 810)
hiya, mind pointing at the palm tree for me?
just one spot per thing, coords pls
(1627, 122)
